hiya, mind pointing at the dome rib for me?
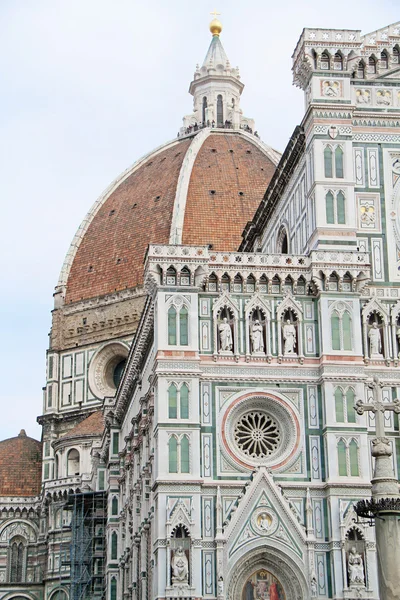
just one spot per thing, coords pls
(166, 198)
(83, 227)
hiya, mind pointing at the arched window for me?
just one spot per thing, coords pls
(325, 61)
(350, 401)
(338, 62)
(172, 326)
(361, 70)
(184, 401)
(250, 284)
(185, 276)
(340, 208)
(284, 246)
(330, 211)
(339, 162)
(353, 455)
(335, 331)
(185, 454)
(339, 408)
(59, 595)
(73, 460)
(204, 106)
(114, 506)
(276, 285)
(328, 161)
(372, 65)
(114, 545)
(342, 458)
(172, 401)
(171, 276)
(335, 208)
(384, 60)
(113, 589)
(220, 111)
(225, 283)
(212, 283)
(315, 59)
(396, 55)
(17, 560)
(344, 405)
(173, 454)
(346, 331)
(183, 326)
(238, 283)
(341, 330)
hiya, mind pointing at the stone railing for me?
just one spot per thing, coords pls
(62, 484)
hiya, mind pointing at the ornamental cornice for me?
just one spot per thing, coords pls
(136, 358)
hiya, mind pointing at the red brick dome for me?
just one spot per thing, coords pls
(195, 190)
(20, 466)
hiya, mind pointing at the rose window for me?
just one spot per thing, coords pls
(257, 434)
(260, 429)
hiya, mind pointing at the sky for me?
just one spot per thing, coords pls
(89, 86)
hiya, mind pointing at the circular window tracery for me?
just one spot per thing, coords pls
(106, 369)
(257, 434)
(261, 429)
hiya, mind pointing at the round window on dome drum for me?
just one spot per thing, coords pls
(118, 371)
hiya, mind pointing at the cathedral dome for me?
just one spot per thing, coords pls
(20, 466)
(200, 189)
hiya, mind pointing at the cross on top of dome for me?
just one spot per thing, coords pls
(215, 25)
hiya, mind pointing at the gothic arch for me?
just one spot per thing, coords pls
(283, 567)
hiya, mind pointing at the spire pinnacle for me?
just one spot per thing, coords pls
(215, 25)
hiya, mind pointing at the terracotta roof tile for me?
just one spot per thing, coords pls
(92, 425)
(139, 212)
(20, 466)
(227, 184)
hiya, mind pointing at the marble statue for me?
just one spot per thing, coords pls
(220, 586)
(256, 334)
(180, 568)
(313, 586)
(355, 567)
(375, 344)
(225, 336)
(289, 336)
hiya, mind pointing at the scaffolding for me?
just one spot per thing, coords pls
(87, 546)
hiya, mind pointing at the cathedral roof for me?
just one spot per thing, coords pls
(200, 189)
(20, 466)
(216, 54)
(92, 425)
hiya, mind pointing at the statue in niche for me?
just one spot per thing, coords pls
(355, 567)
(256, 335)
(398, 339)
(220, 586)
(180, 567)
(375, 343)
(313, 586)
(225, 336)
(289, 337)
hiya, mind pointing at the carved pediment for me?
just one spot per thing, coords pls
(264, 516)
(179, 514)
(289, 303)
(257, 301)
(375, 306)
(225, 301)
